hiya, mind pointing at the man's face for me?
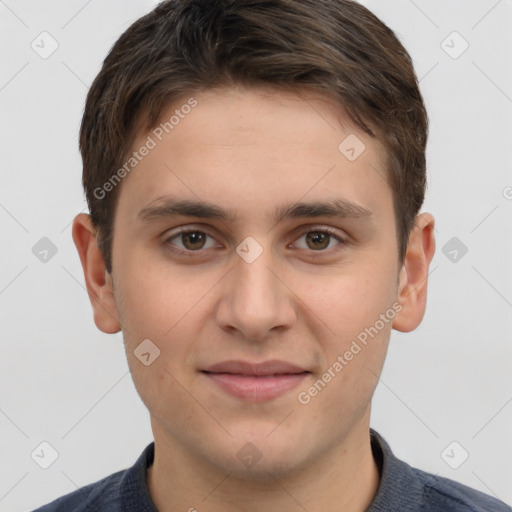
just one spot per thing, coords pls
(210, 296)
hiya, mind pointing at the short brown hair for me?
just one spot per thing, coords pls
(337, 47)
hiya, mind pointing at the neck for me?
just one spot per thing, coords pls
(346, 478)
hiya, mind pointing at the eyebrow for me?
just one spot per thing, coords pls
(169, 207)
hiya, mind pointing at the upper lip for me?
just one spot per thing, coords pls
(273, 367)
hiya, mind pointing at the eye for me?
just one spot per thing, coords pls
(320, 239)
(191, 240)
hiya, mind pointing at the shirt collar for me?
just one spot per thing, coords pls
(399, 486)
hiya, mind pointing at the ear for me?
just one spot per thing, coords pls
(412, 289)
(98, 281)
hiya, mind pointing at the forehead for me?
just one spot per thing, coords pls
(248, 149)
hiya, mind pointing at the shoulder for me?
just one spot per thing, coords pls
(100, 496)
(403, 487)
(446, 495)
(121, 491)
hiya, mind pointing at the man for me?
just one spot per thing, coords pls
(254, 172)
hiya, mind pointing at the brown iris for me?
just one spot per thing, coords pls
(320, 240)
(196, 238)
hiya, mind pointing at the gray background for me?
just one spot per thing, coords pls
(66, 383)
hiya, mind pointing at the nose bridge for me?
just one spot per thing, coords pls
(255, 283)
(255, 301)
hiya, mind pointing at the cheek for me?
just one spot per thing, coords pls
(357, 308)
(351, 301)
(353, 363)
(154, 298)
(164, 307)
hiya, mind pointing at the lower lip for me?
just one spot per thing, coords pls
(256, 389)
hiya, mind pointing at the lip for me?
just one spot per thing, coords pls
(255, 382)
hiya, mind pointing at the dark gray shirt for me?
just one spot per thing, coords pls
(401, 488)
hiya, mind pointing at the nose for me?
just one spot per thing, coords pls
(256, 302)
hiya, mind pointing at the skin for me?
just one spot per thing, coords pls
(249, 150)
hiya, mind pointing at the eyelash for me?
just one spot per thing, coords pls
(194, 254)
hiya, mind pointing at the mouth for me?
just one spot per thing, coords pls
(255, 382)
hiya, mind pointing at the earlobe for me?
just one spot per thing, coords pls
(413, 279)
(98, 281)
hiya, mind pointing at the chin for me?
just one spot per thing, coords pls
(263, 459)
